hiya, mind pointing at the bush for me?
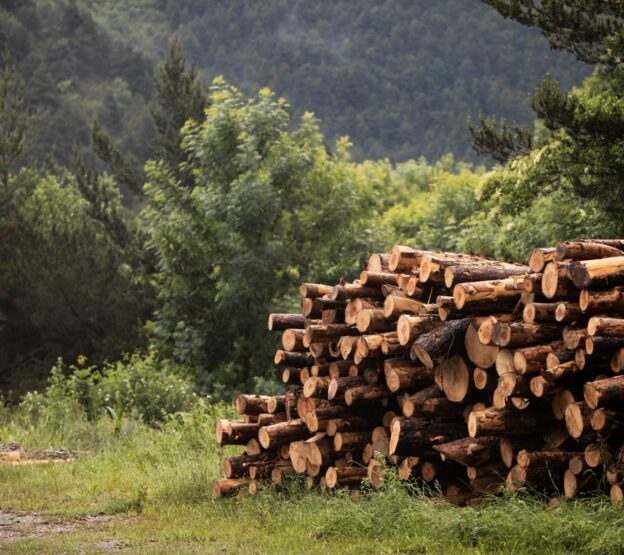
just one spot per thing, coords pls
(134, 386)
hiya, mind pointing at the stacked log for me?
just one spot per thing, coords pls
(471, 373)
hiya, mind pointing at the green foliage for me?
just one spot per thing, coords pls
(583, 152)
(180, 96)
(134, 386)
(73, 71)
(269, 207)
(73, 278)
(400, 78)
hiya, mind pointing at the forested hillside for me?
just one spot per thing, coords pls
(399, 77)
(74, 71)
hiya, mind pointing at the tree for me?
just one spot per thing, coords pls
(582, 152)
(268, 208)
(15, 122)
(180, 96)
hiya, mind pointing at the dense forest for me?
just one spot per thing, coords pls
(400, 78)
(240, 193)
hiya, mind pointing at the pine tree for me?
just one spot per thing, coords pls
(180, 96)
(584, 151)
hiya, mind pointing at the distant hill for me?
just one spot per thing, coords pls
(400, 77)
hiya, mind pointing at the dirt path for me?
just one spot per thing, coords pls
(15, 528)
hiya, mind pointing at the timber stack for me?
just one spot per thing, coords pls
(471, 373)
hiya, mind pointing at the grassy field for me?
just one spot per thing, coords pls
(146, 490)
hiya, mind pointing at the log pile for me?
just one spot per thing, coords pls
(470, 373)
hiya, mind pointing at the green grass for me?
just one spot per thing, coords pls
(156, 483)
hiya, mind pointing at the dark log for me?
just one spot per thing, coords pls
(280, 322)
(234, 432)
(237, 467)
(412, 435)
(291, 358)
(471, 451)
(444, 340)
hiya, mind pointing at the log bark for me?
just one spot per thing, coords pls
(234, 432)
(409, 436)
(433, 265)
(493, 291)
(281, 322)
(284, 432)
(504, 421)
(401, 375)
(445, 340)
(338, 386)
(482, 272)
(568, 313)
(532, 359)
(606, 327)
(355, 291)
(238, 467)
(377, 279)
(346, 476)
(471, 451)
(365, 394)
(603, 272)
(314, 290)
(440, 409)
(327, 332)
(521, 334)
(608, 392)
(585, 250)
(395, 306)
(294, 359)
(600, 302)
